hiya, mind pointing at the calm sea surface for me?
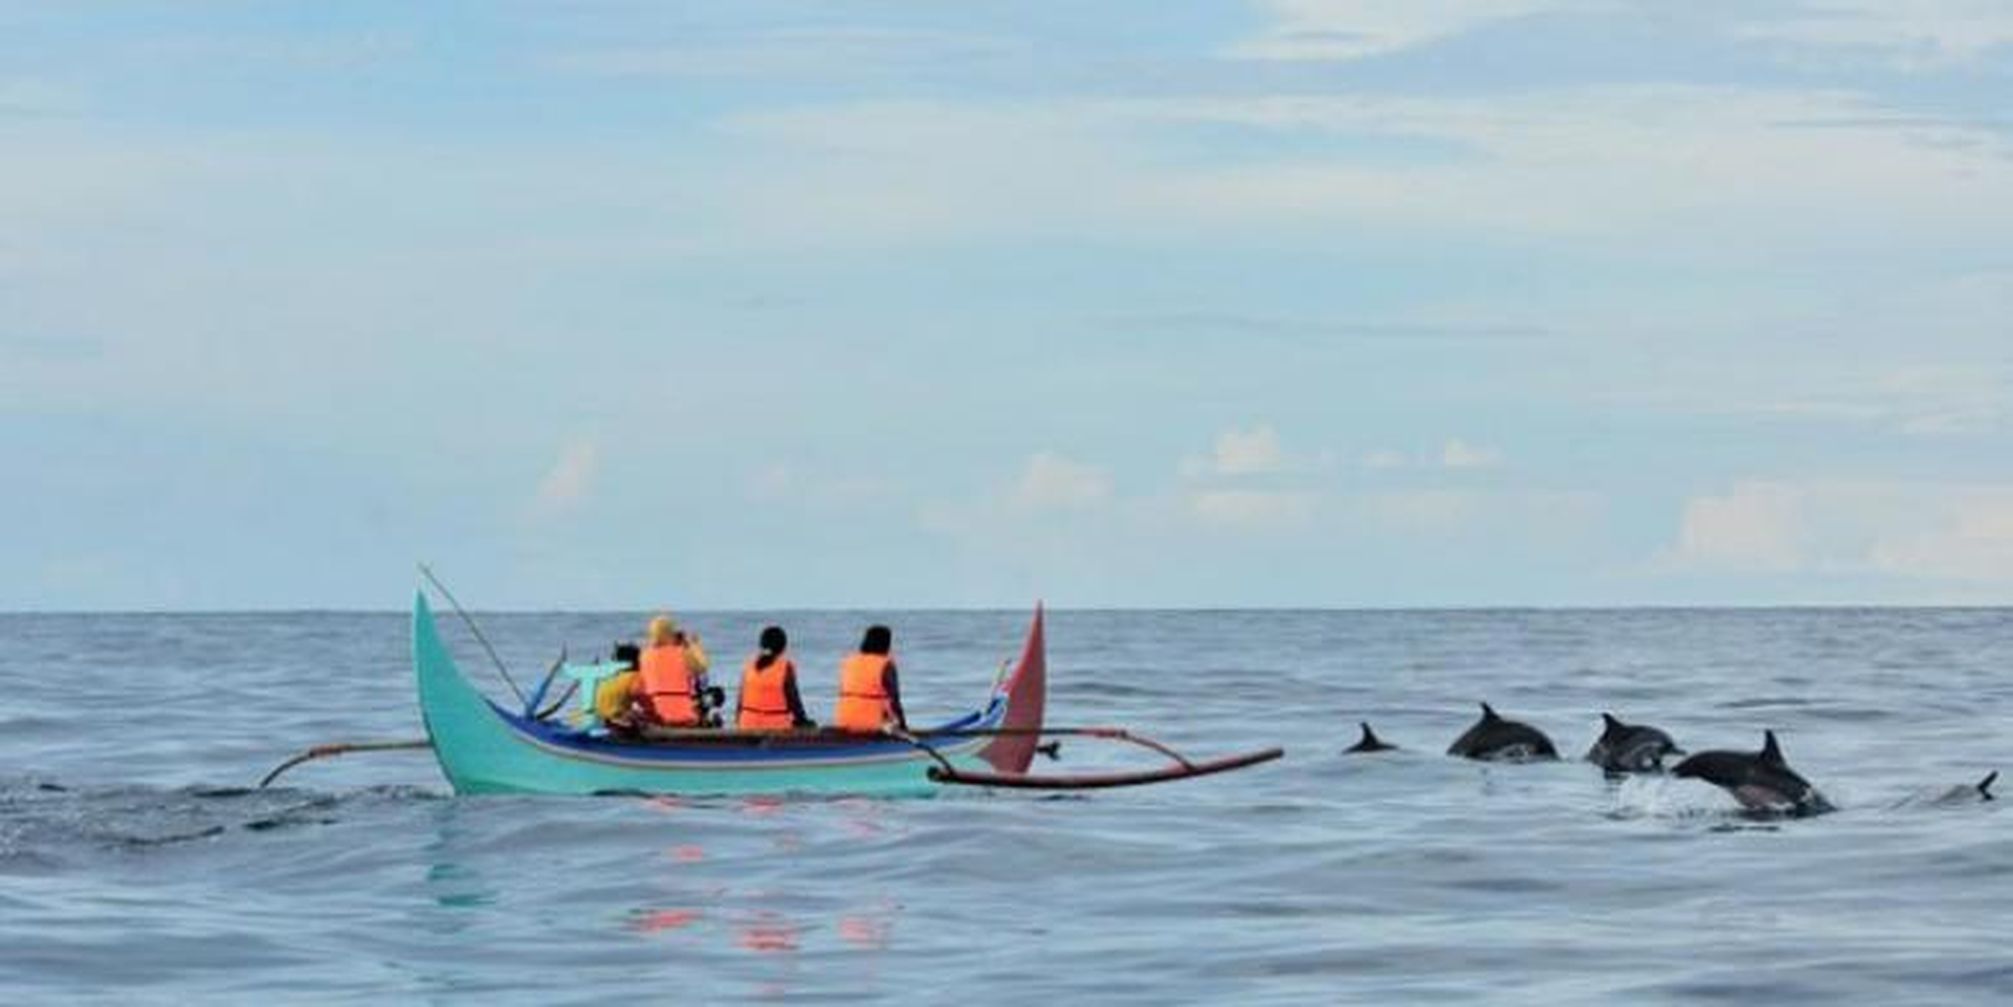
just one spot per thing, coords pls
(135, 866)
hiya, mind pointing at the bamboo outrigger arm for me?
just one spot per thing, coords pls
(945, 771)
(342, 748)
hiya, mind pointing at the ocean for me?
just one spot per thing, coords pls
(138, 865)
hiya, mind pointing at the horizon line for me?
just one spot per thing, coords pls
(1116, 609)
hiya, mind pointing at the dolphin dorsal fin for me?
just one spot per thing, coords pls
(1609, 722)
(1489, 712)
(1369, 736)
(1770, 751)
(1985, 785)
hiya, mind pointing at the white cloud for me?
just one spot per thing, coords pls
(1710, 171)
(773, 481)
(1253, 509)
(34, 96)
(1953, 532)
(1240, 452)
(825, 491)
(1753, 527)
(1970, 539)
(1243, 452)
(570, 479)
(1350, 29)
(1053, 482)
(1914, 34)
(1926, 399)
(1455, 453)
(821, 52)
(1430, 511)
(1459, 454)
(1683, 163)
(1907, 33)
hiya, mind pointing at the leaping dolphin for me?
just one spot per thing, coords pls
(1370, 742)
(1494, 739)
(1760, 781)
(1630, 748)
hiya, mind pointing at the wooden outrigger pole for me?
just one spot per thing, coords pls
(1182, 767)
(342, 748)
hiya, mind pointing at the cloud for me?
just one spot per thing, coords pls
(1455, 453)
(824, 491)
(1675, 161)
(1242, 452)
(795, 53)
(1912, 34)
(1925, 531)
(36, 97)
(1459, 454)
(1710, 171)
(1352, 29)
(570, 480)
(1925, 399)
(1753, 527)
(1315, 329)
(1050, 481)
(1971, 539)
(1253, 509)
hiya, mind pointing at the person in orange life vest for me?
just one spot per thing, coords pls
(870, 695)
(769, 700)
(671, 683)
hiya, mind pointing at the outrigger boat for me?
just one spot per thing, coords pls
(485, 748)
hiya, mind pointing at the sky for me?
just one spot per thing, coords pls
(755, 304)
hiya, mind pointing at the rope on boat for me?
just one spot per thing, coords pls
(473, 628)
(342, 748)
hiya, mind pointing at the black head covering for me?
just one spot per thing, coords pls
(878, 640)
(772, 643)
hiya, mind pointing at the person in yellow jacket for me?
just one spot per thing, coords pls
(870, 694)
(611, 696)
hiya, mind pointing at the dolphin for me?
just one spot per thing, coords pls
(1970, 793)
(1630, 748)
(1494, 739)
(1370, 742)
(1760, 781)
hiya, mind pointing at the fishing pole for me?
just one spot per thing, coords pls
(473, 628)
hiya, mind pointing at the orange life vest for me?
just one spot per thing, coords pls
(863, 701)
(666, 681)
(765, 706)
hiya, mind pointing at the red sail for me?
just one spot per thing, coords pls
(1027, 696)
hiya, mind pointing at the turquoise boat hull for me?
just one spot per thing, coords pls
(486, 749)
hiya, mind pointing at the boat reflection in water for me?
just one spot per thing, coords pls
(769, 932)
(650, 921)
